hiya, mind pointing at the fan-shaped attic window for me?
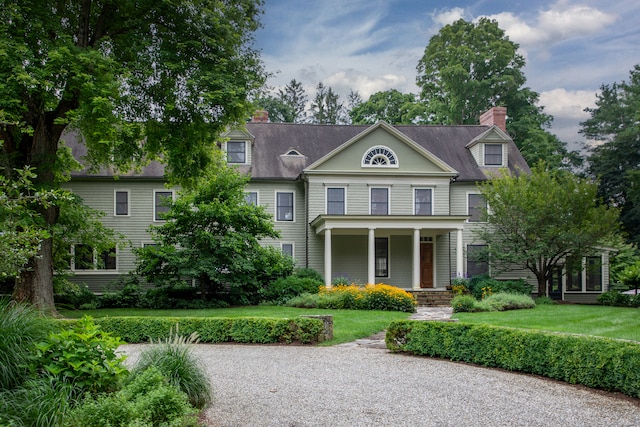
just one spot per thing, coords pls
(293, 152)
(380, 156)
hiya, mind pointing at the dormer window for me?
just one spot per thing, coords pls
(236, 152)
(380, 156)
(493, 154)
(293, 152)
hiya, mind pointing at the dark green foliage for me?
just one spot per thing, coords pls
(519, 286)
(308, 273)
(616, 298)
(176, 297)
(172, 357)
(36, 403)
(591, 361)
(20, 329)
(283, 289)
(82, 355)
(500, 301)
(212, 330)
(147, 400)
(68, 294)
(129, 296)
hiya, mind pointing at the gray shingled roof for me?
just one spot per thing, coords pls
(314, 141)
(272, 140)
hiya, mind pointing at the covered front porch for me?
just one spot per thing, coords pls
(411, 252)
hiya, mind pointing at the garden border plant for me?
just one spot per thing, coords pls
(596, 362)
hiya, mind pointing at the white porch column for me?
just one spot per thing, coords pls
(416, 258)
(371, 258)
(327, 257)
(459, 254)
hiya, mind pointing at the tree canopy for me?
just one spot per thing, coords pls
(467, 68)
(212, 234)
(392, 106)
(615, 161)
(535, 221)
(289, 106)
(139, 80)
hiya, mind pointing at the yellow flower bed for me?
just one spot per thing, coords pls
(369, 297)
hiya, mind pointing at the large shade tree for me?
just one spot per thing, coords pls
(535, 221)
(138, 79)
(615, 160)
(467, 68)
(392, 106)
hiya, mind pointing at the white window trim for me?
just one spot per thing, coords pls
(257, 196)
(467, 211)
(432, 199)
(173, 197)
(382, 147)
(246, 152)
(502, 156)
(388, 198)
(326, 198)
(95, 269)
(115, 202)
(293, 208)
(293, 248)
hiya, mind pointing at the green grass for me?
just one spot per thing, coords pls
(611, 322)
(348, 325)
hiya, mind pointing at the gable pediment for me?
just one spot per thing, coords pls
(379, 149)
(493, 135)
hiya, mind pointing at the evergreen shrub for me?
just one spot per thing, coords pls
(596, 362)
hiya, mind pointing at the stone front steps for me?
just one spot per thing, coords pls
(433, 298)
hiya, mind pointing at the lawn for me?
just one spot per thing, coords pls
(611, 322)
(348, 325)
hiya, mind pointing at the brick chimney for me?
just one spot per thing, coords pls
(495, 116)
(260, 116)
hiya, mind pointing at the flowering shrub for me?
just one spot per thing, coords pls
(369, 297)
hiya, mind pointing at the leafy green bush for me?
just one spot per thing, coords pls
(596, 362)
(73, 295)
(505, 301)
(172, 357)
(177, 296)
(283, 289)
(483, 281)
(308, 273)
(464, 304)
(614, 298)
(630, 276)
(130, 296)
(84, 356)
(21, 328)
(305, 300)
(212, 330)
(147, 400)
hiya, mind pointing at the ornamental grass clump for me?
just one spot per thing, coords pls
(173, 358)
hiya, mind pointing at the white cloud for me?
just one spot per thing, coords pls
(568, 104)
(447, 16)
(559, 23)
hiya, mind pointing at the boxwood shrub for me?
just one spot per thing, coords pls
(596, 362)
(213, 330)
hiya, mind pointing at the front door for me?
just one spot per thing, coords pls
(426, 265)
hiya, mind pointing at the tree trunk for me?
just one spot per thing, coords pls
(35, 284)
(542, 285)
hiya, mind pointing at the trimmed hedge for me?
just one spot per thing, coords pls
(596, 362)
(213, 330)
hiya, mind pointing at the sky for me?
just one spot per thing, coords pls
(571, 47)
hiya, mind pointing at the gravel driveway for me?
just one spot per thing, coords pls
(364, 386)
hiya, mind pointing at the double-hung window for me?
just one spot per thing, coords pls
(335, 201)
(121, 203)
(477, 207)
(379, 201)
(476, 260)
(284, 206)
(161, 202)
(251, 197)
(85, 257)
(593, 276)
(423, 202)
(236, 152)
(493, 154)
(287, 248)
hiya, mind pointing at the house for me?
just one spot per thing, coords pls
(373, 203)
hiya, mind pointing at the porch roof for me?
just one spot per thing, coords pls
(437, 223)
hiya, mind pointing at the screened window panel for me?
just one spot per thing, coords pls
(424, 203)
(477, 207)
(379, 201)
(335, 201)
(284, 207)
(122, 203)
(493, 154)
(236, 152)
